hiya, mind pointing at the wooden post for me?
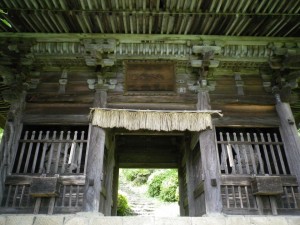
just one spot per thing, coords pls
(290, 136)
(181, 190)
(190, 179)
(115, 190)
(95, 160)
(109, 178)
(211, 170)
(11, 136)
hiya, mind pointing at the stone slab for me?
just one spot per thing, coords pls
(106, 221)
(20, 220)
(49, 220)
(143, 220)
(173, 221)
(2, 220)
(208, 221)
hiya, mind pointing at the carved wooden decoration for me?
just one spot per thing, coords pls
(149, 76)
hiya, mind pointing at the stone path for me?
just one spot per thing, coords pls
(142, 205)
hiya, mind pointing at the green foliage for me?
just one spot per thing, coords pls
(137, 176)
(4, 20)
(123, 208)
(1, 133)
(164, 184)
(169, 187)
(154, 183)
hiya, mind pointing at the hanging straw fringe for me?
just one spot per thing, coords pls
(152, 120)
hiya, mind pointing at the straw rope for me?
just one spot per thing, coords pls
(152, 120)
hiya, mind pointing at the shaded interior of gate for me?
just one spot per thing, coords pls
(149, 150)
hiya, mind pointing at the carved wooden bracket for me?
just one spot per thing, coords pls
(99, 52)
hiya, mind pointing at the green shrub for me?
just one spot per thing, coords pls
(169, 187)
(137, 176)
(164, 184)
(123, 209)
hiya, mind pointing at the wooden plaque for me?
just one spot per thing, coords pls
(44, 187)
(267, 185)
(144, 76)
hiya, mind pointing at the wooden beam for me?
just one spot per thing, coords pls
(131, 38)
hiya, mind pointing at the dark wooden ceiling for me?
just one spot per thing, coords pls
(277, 18)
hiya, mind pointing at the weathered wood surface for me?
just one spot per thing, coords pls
(95, 158)
(267, 185)
(290, 137)
(189, 177)
(26, 179)
(11, 135)
(44, 187)
(210, 163)
(245, 180)
(56, 119)
(115, 188)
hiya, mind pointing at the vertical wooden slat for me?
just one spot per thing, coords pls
(233, 196)
(246, 160)
(50, 156)
(37, 205)
(230, 154)
(77, 196)
(22, 153)
(15, 196)
(287, 197)
(240, 197)
(238, 155)
(266, 154)
(45, 146)
(22, 195)
(80, 153)
(70, 195)
(223, 154)
(66, 152)
(227, 196)
(282, 163)
(29, 152)
(294, 198)
(58, 153)
(63, 195)
(37, 149)
(253, 157)
(273, 154)
(8, 196)
(247, 197)
(261, 164)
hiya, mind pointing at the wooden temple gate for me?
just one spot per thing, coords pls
(57, 168)
(88, 87)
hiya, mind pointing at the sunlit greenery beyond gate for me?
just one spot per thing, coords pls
(161, 184)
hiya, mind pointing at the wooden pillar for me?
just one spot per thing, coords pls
(211, 170)
(290, 136)
(94, 167)
(115, 189)
(181, 190)
(110, 174)
(10, 139)
(190, 179)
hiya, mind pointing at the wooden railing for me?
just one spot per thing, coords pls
(245, 154)
(50, 152)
